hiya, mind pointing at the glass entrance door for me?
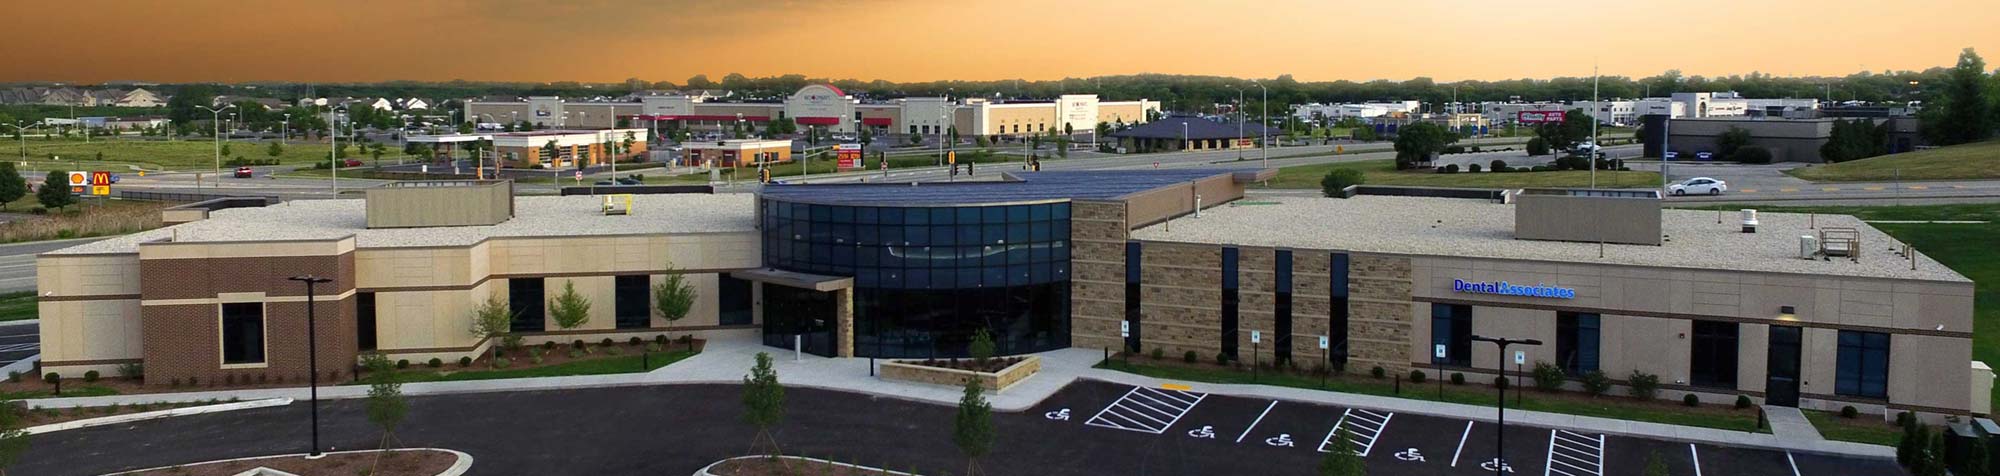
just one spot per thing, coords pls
(1782, 387)
(805, 314)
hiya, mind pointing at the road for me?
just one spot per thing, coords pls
(17, 262)
(19, 341)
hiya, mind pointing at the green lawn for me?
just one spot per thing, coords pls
(17, 306)
(1868, 429)
(1468, 394)
(1959, 162)
(151, 154)
(1383, 172)
(614, 365)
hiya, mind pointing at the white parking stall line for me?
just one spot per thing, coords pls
(1146, 410)
(1697, 459)
(1260, 419)
(1461, 444)
(1795, 464)
(1363, 425)
(1576, 453)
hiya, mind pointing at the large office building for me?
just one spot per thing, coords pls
(828, 108)
(1167, 260)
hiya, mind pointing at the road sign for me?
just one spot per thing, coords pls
(100, 178)
(79, 179)
(579, 175)
(1322, 343)
(1672, 154)
(1438, 352)
(1256, 337)
(1124, 328)
(1520, 357)
(100, 190)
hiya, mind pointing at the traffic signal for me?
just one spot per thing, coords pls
(763, 175)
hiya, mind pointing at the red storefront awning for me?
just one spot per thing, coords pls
(875, 121)
(696, 117)
(819, 121)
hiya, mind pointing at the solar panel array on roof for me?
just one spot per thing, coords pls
(1027, 187)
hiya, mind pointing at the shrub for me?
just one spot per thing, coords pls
(1752, 155)
(1189, 357)
(131, 370)
(614, 350)
(1498, 165)
(1416, 376)
(53, 377)
(1500, 382)
(1339, 179)
(536, 360)
(1537, 146)
(653, 347)
(465, 361)
(1691, 400)
(1645, 386)
(1221, 358)
(635, 341)
(576, 344)
(1159, 354)
(1378, 372)
(686, 338)
(435, 362)
(1449, 169)
(1743, 401)
(607, 342)
(576, 353)
(90, 376)
(502, 362)
(660, 339)
(402, 363)
(548, 346)
(1454, 149)
(1548, 377)
(1849, 412)
(1474, 168)
(1458, 378)
(14, 376)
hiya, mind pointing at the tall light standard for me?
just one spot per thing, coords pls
(333, 120)
(285, 130)
(1264, 123)
(1500, 445)
(215, 122)
(21, 132)
(1239, 123)
(312, 351)
(1596, 107)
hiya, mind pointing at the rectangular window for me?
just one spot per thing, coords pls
(243, 333)
(1451, 327)
(1230, 301)
(524, 300)
(1712, 354)
(732, 301)
(632, 296)
(364, 321)
(1863, 367)
(1337, 310)
(1132, 304)
(1576, 342)
(1281, 343)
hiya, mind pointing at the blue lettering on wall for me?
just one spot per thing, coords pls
(1504, 288)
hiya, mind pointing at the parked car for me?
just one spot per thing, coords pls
(351, 163)
(244, 172)
(1699, 186)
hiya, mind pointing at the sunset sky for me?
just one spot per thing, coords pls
(914, 40)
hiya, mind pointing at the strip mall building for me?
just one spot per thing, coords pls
(1048, 260)
(826, 107)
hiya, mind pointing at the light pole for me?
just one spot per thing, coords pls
(312, 352)
(1264, 123)
(21, 133)
(215, 122)
(1500, 443)
(285, 130)
(1239, 123)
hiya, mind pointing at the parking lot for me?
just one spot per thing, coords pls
(1269, 431)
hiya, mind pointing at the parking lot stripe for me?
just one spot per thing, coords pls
(1253, 423)
(1461, 444)
(1176, 386)
(1697, 459)
(1359, 429)
(1580, 454)
(1795, 464)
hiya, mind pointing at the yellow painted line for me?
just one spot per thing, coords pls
(1830, 189)
(1958, 186)
(1872, 189)
(1748, 190)
(1788, 190)
(1919, 187)
(1176, 386)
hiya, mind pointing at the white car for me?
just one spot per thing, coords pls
(1699, 186)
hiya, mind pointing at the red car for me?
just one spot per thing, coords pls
(244, 172)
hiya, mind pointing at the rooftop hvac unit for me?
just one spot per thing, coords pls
(1749, 220)
(1840, 241)
(1808, 247)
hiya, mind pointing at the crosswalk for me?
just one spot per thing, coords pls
(1147, 410)
(1363, 426)
(1575, 454)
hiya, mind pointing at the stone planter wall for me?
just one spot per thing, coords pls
(916, 371)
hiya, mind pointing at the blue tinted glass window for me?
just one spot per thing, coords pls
(1039, 231)
(1061, 250)
(892, 234)
(1017, 275)
(995, 234)
(1041, 252)
(1038, 212)
(993, 214)
(821, 253)
(968, 234)
(942, 216)
(1018, 232)
(917, 235)
(968, 277)
(917, 278)
(944, 235)
(996, 276)
(892, 216)
(843, 233)
(943, 279)
(1061, 231)
(891, 256)
(867, 277)
(1017, 214)
(1862, 367)
(821, 212)
(843, 214)
(1229, 268)
(867, 235)
(1060, 210)
(843, 256)
(866, 215)
(1017, 253)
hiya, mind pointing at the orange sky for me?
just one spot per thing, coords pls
(906, 40)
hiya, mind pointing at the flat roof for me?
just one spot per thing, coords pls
(577, 215)
(1013, 186)
(1477, 228)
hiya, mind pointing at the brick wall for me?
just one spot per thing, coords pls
(1379, 314)
(181, 317)
(1097, 274)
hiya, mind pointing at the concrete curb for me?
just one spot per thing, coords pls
(174, 412)
(23, 322)
(872, 470)
(457, 468)
(25, 366)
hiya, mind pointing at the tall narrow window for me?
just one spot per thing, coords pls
(1451, 327)
(1576, 342)
(1281, 343)
(1229, 303)
(1132, 304)
(1712, 354)
(1863, 367)
(733, 301)
(524, 300)
(632, 296)
(243, 333)
(1337, 311)
(364, 321)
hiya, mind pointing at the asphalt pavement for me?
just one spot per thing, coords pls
(1088, 428)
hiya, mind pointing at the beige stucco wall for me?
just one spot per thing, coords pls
(101, 323)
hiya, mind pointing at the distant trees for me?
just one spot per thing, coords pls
(1731, 140)
(1855, 139)
(12, 185)
(1561, 136)
(1419, 141)
(1964, 113)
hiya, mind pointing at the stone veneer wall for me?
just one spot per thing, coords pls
(1379, 312)
(1097, 274)
(1180, 302)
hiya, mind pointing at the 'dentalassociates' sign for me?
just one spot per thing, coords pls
(1503, 288)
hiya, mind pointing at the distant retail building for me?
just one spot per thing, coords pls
(1181, 132)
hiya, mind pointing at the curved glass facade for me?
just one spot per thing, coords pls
(927, 278)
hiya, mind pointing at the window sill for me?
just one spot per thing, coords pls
(253, 365)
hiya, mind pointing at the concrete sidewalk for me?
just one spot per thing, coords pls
(727, 360)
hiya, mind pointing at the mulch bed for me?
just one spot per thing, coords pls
(396, 463)
(992, 365)
(787, 467)
(558, 354)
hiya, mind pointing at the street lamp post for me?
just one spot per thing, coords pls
(312, 352)
(1264, 134)
(21, 132)
(1500, 444)
(1239, 123)
(285, 130)
(215, 123)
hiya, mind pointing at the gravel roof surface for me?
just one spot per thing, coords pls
(1459, 227)
(533, 216)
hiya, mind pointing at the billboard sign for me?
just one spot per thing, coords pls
(1538, 117)
(847, 156)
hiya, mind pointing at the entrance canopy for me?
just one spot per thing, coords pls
(810, 281)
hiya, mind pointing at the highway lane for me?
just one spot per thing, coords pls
(17, 261)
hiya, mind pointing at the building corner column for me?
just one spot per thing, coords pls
(845, 317)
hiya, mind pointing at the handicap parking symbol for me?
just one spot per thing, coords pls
(1283, 439)
(1206, 431)
(1496, 464)
(1410, 455)
(1060, 415)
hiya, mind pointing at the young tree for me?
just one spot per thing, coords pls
(274, 150)
(1419, 141)
(12, 185)
(916, 139)
(673, 297)
(972, 428)
(225, 149)
(763, 402)
(569, 309)
(55, 190)
(492, 320)
(1342, 461)
(867, 136)
(549, 152)
(386, 406)
(981, 347)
